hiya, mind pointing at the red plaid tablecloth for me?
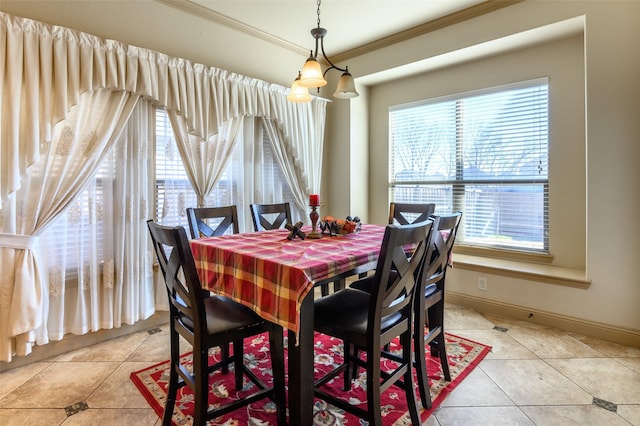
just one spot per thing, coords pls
(272, 275)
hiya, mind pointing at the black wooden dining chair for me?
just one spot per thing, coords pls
(367, 321)
(270, 216)
(405, 213)
(429, 311)
(212, 221)
(206, 321)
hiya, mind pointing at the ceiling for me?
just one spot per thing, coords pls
(351, 24)
(357, 27)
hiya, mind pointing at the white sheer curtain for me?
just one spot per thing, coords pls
(204, 159)
(133, 194)
(100, 273)
(65, 165)
(298, 150)
(44, 71)
(290, 163)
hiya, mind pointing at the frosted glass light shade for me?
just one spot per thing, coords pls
(312, 74)
(346, 87)
(298, 93)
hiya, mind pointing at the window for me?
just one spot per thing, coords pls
(174, 192)
(251, 175)
(72, 240)
(484, 153)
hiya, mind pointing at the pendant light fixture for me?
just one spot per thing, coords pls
(313, 76)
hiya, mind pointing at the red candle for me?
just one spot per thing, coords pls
(314, 200)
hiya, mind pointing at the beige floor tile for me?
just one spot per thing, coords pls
(632, 363)
(106, 417)
(11, 379)
(630, 413)
(154, 349)
(60, 385)
(534, 382)
(477, 390)
(482, 416)
(431, 421)
(581, 415)
(461, 318)
(503, 346)
(118, 349)
(118, 391)
(43, 416)
(608, 348)
(603, 378)
(552, 343)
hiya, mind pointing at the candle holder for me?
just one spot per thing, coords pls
(314, 216)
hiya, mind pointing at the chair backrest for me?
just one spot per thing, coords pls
(445, 228)
(397, 275)
(212, 221)
(406, 213)
(186, 297)
(270, 216)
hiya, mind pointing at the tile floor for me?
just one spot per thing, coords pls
(534, 376)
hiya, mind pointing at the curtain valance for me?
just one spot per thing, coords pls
(44, 69)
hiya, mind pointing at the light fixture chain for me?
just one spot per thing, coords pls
(319, 1)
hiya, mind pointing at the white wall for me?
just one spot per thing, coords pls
(594, 219)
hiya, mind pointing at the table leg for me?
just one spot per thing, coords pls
(301, 368)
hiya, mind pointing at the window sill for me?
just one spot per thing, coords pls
(538, 272)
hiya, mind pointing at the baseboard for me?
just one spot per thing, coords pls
(72, 342)
(624, 336)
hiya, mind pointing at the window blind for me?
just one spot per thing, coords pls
(174, 192)
(72, 237)
(484, 153)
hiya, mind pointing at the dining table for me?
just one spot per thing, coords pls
(275, 276)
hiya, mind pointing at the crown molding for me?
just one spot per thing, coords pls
(195, 9)
(425, 28)
(471, 12)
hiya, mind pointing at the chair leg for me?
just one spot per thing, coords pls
(373, 388)
(276, 346)
(339, 285)
(412, 404)
(350, 372)
(444, 360)
(238, 363)
(171, 396)
(201, 392)
(224, 355)
(173, 379)
(421, 365)
(435, 318)
(324, 290)
(438, 344)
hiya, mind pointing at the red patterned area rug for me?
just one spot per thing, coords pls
(464, 355)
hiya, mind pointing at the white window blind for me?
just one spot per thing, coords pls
(484, 153)
(174, 192)
(72, 236)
